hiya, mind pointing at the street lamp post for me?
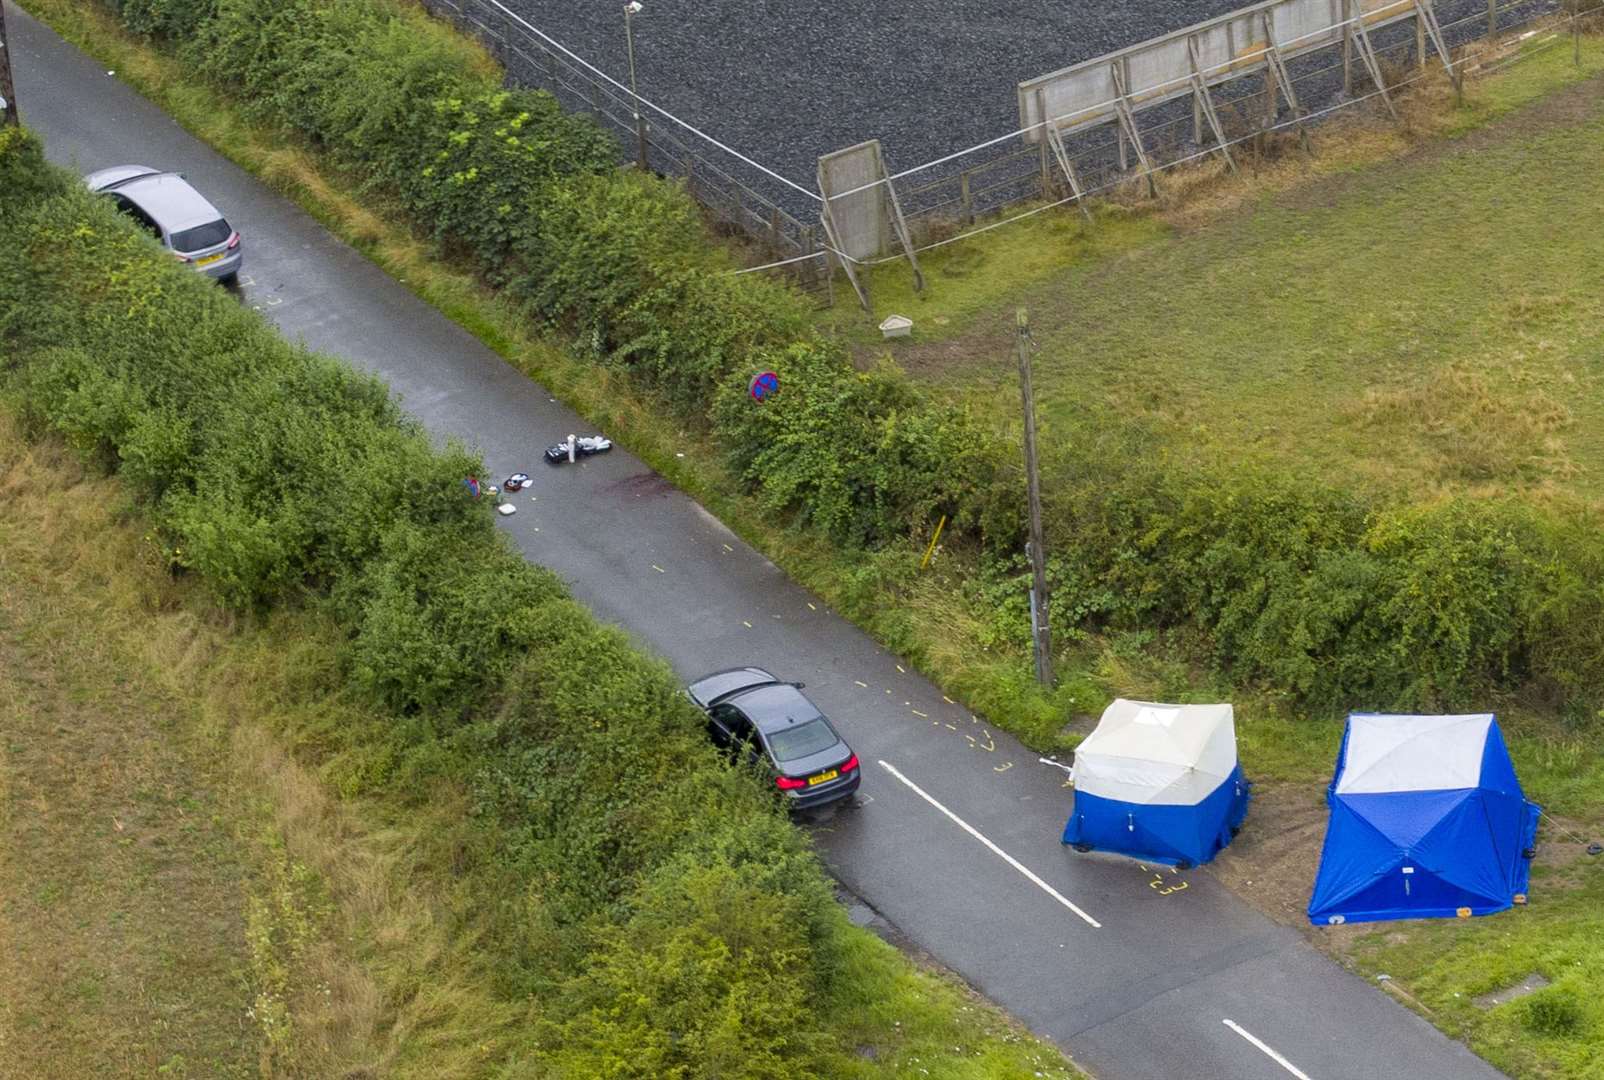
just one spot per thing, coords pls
(632, 9)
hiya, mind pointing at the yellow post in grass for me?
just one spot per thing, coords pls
(931, 550)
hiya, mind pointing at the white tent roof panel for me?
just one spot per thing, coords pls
(1152, 754)
(1413, 753)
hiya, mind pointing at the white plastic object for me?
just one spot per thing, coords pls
(896, 326)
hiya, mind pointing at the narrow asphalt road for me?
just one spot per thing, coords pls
(1140, 974)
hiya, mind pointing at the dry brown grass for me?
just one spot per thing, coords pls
(1474, 426)
(122, 930)
(1196, 195)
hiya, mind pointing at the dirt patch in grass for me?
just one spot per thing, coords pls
(1271, 864)
(122, 936)
(1562, 860)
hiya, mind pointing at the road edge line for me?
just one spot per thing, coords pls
(995, 850)
(1268, 1050)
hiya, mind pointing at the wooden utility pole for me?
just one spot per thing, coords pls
(8, 90)
(1040, 635)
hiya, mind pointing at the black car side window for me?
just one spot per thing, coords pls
(726, 719)
(743, 731)
(749, 735)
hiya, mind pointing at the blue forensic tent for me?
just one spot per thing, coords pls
(1158, 782)
(1427, 820)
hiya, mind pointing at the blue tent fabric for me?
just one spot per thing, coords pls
(1427, 820)
(1160, 833)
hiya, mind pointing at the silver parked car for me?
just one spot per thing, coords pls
(175, 214)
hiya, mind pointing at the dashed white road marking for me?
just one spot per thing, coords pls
(995, 850)
(1269, 1051)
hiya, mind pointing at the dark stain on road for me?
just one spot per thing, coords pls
(646, 485)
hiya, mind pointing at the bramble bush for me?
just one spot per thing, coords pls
(857, 454)
(675, 953)
(401, 102)
(1343, 602)
(258, 457)
(165, 18)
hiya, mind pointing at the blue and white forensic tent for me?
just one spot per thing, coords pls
(1158, 782)
(1427, 820)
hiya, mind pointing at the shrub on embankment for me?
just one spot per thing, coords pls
(618, 851)
(1341, 601)
(1337, 599)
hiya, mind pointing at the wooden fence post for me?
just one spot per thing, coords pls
(966, 198)
(1046, 169)
(1347, 51)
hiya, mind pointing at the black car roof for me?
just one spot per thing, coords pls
(775, 706)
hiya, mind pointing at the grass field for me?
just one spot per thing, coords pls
(122, 927)
(1422, 323)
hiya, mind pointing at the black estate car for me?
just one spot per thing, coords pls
(751, 711)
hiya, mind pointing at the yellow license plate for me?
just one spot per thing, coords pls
(823, 777)
(209, 259)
